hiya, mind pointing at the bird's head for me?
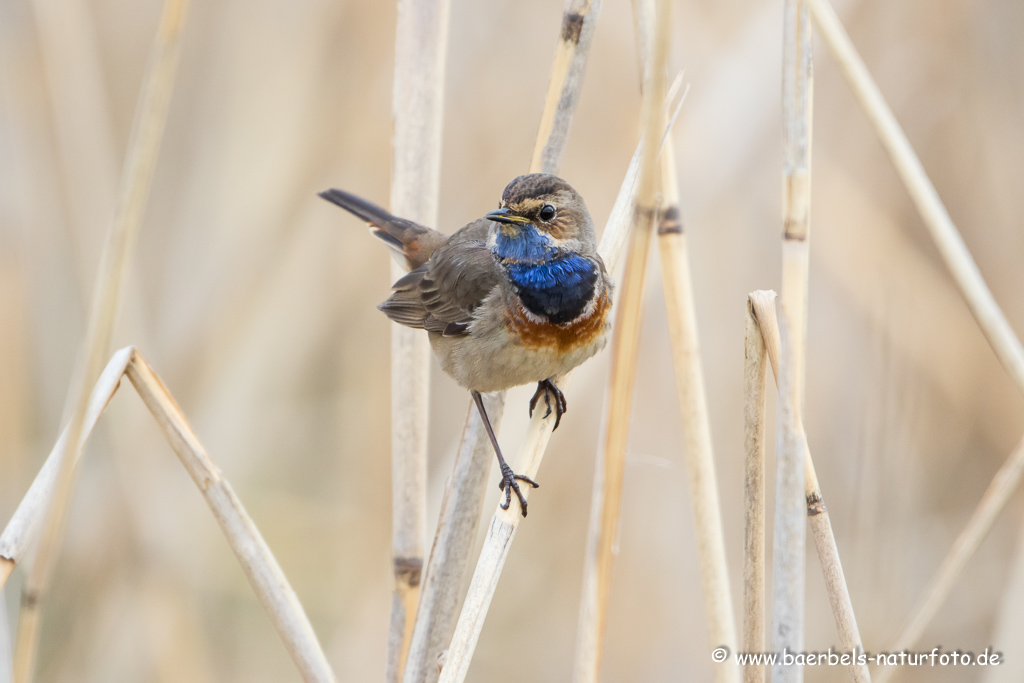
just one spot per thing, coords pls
(539, 216)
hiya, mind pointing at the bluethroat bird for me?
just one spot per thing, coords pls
(518, 296)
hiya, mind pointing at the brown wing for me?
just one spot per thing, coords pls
(441, 295)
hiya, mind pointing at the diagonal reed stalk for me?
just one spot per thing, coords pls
(606, 505)
(779, 350)
(418, 108)
(143, 148)
(754, 380)
(789, 540)
(264, 574)
(986, 311)
(460, 513)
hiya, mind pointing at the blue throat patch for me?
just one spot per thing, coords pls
(530, 245)
(558, 289)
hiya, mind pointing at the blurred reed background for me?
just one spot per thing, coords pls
(255, 300)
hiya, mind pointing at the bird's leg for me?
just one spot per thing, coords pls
(508, 477)
(547, 388)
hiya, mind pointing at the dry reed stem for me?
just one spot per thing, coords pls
(951, 245)
(265, 575)
(606, 507)
(579, 18)
(435, 622)
(418, 109)
(1009, 629)
(763, 304)
(504, 522)
(755, 378)
(965, 272)
(700, 462)
(789, 540)
(143, 148)
(984, 516)
(258, 562)
(456, 532)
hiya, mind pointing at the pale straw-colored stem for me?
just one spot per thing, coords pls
(754, 380)
(143, 149)
(265, 575)
(763, 305)
(258, 562)
(951, 245)
(464, 495)
(992, 503)
(418, 107)
(1009, 629)
(606, 505)
(789, 540)
(504, 522)
(972, 285)
(579, 18)
(456, 533)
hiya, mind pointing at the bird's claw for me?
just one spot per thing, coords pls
(547, 388)
(508, 485)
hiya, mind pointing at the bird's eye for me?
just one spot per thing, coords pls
(547, 213)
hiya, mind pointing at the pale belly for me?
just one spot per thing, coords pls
(512, 351)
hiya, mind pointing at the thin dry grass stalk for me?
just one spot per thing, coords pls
(996, 496)
(700, 462)
(789, 540)
(143, 148)
(965, 272)
(606, 507)
(504, 522)
(951, 245)
(418, 107)
(754, 380)
(258, 562)
(763, 305)
(435, 620)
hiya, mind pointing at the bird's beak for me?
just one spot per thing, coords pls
(503, 216)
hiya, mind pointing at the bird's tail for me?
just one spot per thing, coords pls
(412, 242)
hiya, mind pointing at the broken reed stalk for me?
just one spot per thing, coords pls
(258, 562)
(265, 575)
(789, 539)
(763, 305)
(143, 149)
(606, 506)
(504, 523)
(435, 620)
(972, 285)
(700, 462)
(754, 381)
(418, 109)
(951, 245)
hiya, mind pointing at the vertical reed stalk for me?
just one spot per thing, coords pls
(418, 108)
(608, 479)
(754, 380)
(505, 522)
(1009, 629)
(763, 304)
(790, 530)
(435, 621)
(700, 462)
(143, 148)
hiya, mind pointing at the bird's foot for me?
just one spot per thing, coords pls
(548, 389)
(508, 485)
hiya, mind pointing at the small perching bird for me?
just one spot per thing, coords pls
(518, 296)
